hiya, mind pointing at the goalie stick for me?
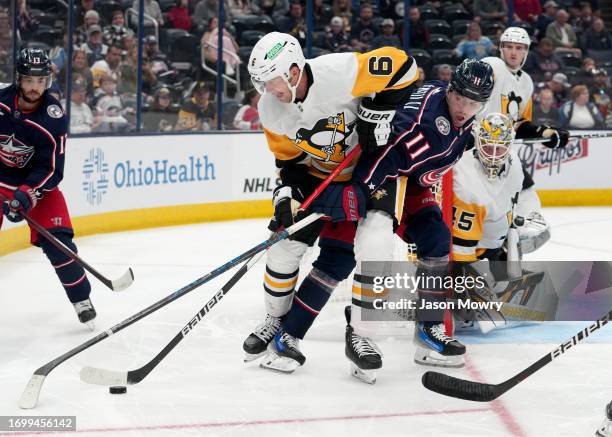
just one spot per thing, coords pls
(119, 284)
(481, 392)
(94, 375)
(572, 134)
(31, 393)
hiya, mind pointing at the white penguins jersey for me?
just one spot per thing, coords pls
(482, 209)
(511, 92)
(321, 129)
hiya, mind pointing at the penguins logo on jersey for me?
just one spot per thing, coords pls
(327, 139)
(511, 105)
(13, 153)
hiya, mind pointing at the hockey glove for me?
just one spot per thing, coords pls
(373, 124)
(285, 206)
(24, 199)
(342, 202)
(558, 137)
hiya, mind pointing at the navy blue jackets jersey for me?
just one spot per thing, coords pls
(31, 144)
(423, 144)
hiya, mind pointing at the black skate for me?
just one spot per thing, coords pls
(435, 348)
(363, 353)
(86, 313)
(256, 343)
(284, 354)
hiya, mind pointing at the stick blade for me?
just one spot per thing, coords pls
(93, 375)
(29, 397)
(459, 388)
(124, 281)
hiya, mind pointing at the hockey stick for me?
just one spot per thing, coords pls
(573, 135)
(482, 392)
(94, 375)
(119, 284)
(31, 393)
(29, 397)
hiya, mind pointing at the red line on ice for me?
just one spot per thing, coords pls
(497, 406)
(258, 422)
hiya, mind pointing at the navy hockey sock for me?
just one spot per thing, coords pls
(71, 274)
(311, 297)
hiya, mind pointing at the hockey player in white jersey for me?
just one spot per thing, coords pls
(309, 112)
(512, 95)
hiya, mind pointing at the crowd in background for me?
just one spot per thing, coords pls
(570, 57)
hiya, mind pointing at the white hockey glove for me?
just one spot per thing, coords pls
(533, 233)
(373, 124)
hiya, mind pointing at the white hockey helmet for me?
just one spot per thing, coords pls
(272, 57)
(516, 35)
(494, 135)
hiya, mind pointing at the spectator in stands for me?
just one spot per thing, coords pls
(527, 10)
(81, 10)
(418, 35)
(444, 72)
(82, 120)
(322, 15)
(336, 39)
(562, 34)
(474, 45)
(94, 47)
(206, 9)
(116, 32)
(363, 30)
(109, 107)
(585, 75)
(545, 18)
(152, 9)
(272, 8)
(597, 37)
(161, 116)
(579, 112)
(545, 111)
(247, 117)
(585, 18)
(158, 60)
(197, 113)
(421, 80)
(178, 16)
(129, 74)
(559, 85)
(543, 60)
(294, 23)
(490, 10)
(238, 7)
(601, 91)
(81, 71)
(90, 18)
(344, 10)
(109, 66)
(388, 37)
(209, 46)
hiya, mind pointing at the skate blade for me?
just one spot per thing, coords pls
(91, 325)
(248, 358)
(277, 363)
(367, 376)
(427, 357)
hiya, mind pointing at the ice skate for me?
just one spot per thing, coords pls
(435, 348)
(86, 313)
(256, 343)
(364, 355)
(284, 354)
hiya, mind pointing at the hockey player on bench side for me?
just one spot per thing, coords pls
(486, 186)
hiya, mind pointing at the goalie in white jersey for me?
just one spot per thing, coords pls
(512, 95)
(486, 187)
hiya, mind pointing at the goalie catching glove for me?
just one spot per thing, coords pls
(558, 137)
(342, 202)
(373, 124)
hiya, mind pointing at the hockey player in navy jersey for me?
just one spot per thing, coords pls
(429, 134)
(32, 146)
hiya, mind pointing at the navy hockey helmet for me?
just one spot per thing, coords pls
(473, 79)
(34, 62)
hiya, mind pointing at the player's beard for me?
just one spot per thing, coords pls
(29, 100)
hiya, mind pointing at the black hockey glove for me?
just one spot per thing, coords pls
(373, 124)
(24, 199)
(558, 137)
(342, 202)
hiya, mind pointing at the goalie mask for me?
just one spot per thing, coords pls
(272, 59)
(494, 135)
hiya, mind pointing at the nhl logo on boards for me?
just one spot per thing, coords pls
(443, 125)
(55, 111)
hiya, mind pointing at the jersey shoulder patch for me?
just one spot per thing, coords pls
(55, 111)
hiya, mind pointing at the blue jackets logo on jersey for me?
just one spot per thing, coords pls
(13, 153)
(327, 139)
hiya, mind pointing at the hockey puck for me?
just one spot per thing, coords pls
(117, 390)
